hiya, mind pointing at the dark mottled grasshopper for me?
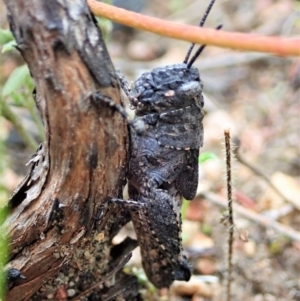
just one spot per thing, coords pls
(163, 164)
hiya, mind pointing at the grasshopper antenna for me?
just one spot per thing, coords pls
(198, 52)
(201, 24)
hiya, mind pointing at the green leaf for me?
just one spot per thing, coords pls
(18, 99)
(206, 156)
(9, 46)
(16, 80)
(5, 36)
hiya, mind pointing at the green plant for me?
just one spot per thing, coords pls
(17, 92)
(3, 251)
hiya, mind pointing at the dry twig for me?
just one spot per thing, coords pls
(234, 40)
(228, 154)
(253, 216)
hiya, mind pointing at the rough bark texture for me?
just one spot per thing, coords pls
(60, 224)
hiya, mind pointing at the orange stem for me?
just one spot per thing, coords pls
(234, 40)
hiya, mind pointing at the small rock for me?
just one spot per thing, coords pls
(71, 284)
(71, 292)
(191, 288)
(250, 248)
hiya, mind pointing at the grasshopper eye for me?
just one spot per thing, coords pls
(189, 89)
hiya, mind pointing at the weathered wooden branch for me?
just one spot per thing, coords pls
(60, 223)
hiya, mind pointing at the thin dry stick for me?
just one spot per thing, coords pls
(241, 41)
(253, 216)
(228, 153)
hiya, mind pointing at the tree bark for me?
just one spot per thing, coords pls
(60, 222)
